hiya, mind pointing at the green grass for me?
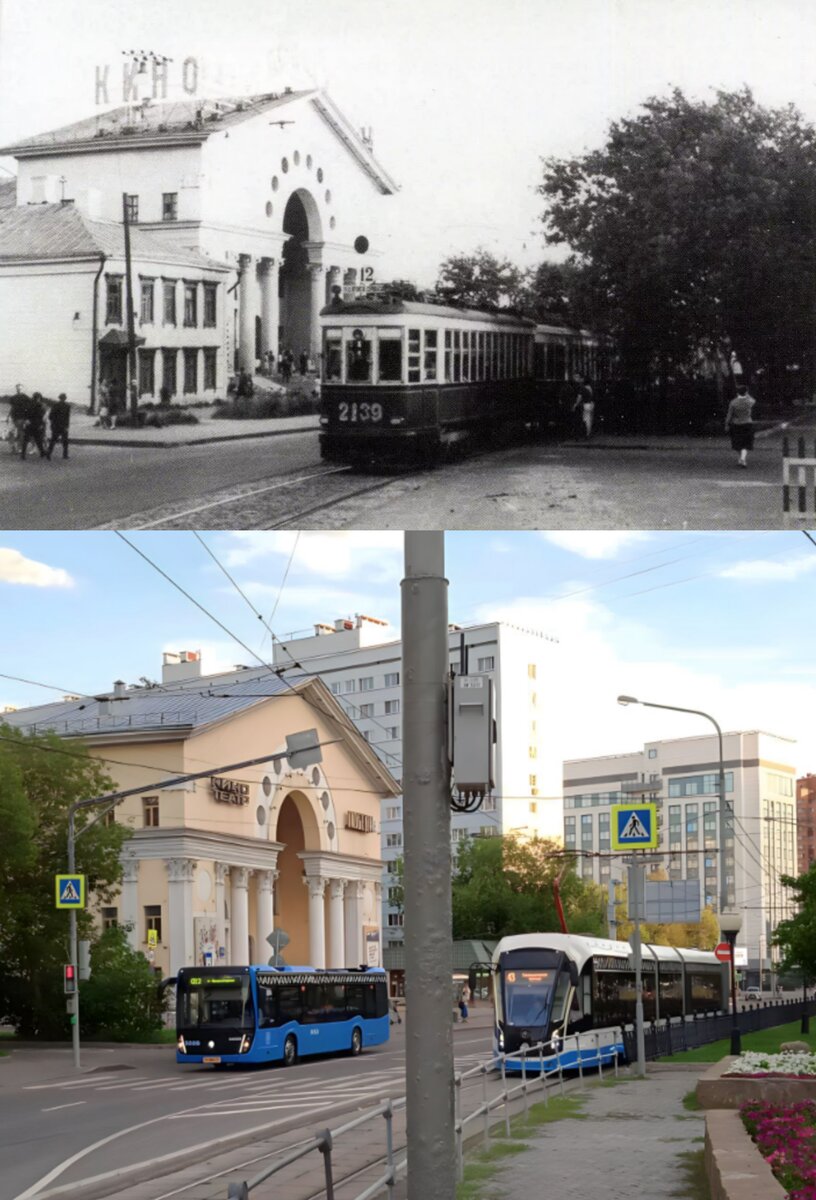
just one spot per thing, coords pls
(696, 1184)
(765, 1041)
(691, 1102)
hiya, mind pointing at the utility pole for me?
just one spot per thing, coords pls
(636, 876)
(426, 823)
(132, 385)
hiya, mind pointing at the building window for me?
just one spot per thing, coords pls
(169, 288)
(485, 664)
(153, 920)
(349, 685)
(170, 371)
(210, 368)
(113, 307)
(169, 206)
(147, 372)
(150, 811)
(110, 918)
(366, 683)
(533, 806)
(210, 305)
(700, 785)
(109, 817)
(393, 732)
(132, 209)
(394, 895)
(392, 840)
(395, 919)
(190, 305)
(366, 710)
(652, 752)
(146, 313)
(190, 372)
(392, 679)
(531, 670)
(392, 707)
(392, 812)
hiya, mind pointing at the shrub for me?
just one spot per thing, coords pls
(120, 1002)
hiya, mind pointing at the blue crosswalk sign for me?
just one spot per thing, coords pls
(634, 827)
(70, 891)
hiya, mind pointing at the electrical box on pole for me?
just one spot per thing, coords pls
(472, 733)
(302, 749)
(84, 960)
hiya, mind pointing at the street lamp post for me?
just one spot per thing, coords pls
(730, 923)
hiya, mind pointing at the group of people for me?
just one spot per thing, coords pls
(28, 416)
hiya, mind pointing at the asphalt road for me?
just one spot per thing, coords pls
(134, 1104)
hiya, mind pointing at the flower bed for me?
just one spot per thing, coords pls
(787, 1065)
(786, 1137)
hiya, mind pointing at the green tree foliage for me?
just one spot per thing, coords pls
(696, 225)
(554, 292)
(40, 776)
(797, 936)
(120, 1001)
(480, 279)
(505, 885)
(402, 288)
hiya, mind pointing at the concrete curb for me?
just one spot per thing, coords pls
(144, 444)
(734, 1167)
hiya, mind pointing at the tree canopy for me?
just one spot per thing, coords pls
(480, 279)
(696, 227)
(40, 777)
(503, 885)
(797, 936)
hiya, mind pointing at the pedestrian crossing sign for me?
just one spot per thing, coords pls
(70, 891)
(634, 827)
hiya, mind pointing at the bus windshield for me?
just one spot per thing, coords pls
(528, 996)
(223, 1000)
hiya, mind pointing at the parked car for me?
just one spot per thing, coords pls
(753, 993)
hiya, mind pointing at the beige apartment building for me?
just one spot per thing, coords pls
(214, 865)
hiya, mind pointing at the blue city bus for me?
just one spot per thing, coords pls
(277, 1014)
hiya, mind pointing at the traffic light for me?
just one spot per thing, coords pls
(69, 979)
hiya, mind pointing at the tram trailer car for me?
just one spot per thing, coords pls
(547, 986)
(407, 380)
(260, 1014)
(561, 354)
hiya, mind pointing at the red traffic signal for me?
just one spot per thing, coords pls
(69, 979)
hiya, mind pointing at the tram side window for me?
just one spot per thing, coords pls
(414, 342)
(431, 343)
(358, 360)
(457, 355)
(389, 346)
(559, 361)
(448, 356)
(333, 355)
(466, 354)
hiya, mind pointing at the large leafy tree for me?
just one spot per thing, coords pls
(480, 279)
(797, 936)
(696, 227)
(504, 885)
(40, 776)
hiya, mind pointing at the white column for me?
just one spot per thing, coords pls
(335, 280)
(239, 922)
(266, 913)
(129, 901)
(181, 872)
(221, 873)
(355, 894)
(317, 930)
(318, 299)
(246, 314)
(337, 948)
(270, 306)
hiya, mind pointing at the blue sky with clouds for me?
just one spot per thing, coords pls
(718, 621)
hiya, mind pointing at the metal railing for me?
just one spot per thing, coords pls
(673, 1035)
(534, 1078)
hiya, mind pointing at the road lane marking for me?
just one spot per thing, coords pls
(56, 1107)
(87, 1081)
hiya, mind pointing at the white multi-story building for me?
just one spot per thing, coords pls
(760, 842)
(362, 666)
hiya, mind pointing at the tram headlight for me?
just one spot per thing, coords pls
(397, 421)
(323, 421)
(180, 1043)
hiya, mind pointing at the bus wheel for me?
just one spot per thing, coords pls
(356, 1041)
(289, 1051)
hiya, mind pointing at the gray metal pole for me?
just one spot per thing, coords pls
(74, 948)
(635, 887)
(426, 824)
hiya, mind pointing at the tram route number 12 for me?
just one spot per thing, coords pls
(353, 410)
(366, 274)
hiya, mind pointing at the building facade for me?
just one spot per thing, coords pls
(278, 189)
(214, 865)
(681, 777)
(806, 822)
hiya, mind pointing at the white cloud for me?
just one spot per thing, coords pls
(765, 570)
(595, 543)
(16, 568)
(375, 556)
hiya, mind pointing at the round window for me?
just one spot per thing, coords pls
(284, 165)
(309, 162)
(315, 776)
(319, 174)
(328, 196)
(332, 222)
(275, 183)
(266, 786)
(361, 244)
(324, 800)
(330, 831)
(277, 765)
(296, 158)
(269, 208)
(261, 814)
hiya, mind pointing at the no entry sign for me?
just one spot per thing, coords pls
(723, 952)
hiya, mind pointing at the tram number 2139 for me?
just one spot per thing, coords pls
(354, 410)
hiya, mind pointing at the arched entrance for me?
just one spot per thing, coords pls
(301, 222)
(297, 830)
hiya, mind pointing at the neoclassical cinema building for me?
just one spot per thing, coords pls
(213, 866)
(243, 215)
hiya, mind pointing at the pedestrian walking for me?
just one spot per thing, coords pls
(464, 998)
(105, 404)
(34, 428)
(739, 424)
(304, 362)
(16, 419)
(585, 405)
(287, 359)
(270, 362)
(59, 418)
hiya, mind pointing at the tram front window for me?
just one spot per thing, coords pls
(390, 355)
(528, 996)
(358, 364)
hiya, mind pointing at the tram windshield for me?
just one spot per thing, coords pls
(528, 996)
